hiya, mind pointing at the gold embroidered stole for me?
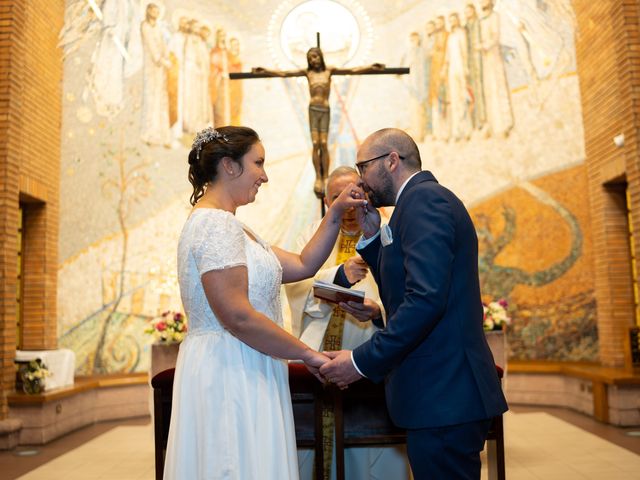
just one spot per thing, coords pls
(333, 341)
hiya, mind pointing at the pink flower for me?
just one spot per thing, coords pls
(161, 326)
(503, 303)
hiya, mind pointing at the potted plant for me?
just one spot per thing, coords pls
(496, 319)
(33, 374)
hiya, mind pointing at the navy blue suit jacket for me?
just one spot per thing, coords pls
(432, 354)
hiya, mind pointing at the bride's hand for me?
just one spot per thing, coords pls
(313, 361)
(351, 197)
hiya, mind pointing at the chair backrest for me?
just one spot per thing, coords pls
(164, 379)
(301, 380)
(365, 417)
(305, 389)
(162, 384)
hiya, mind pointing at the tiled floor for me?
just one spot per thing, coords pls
(542, 446)
(539, 445)
(123, 453)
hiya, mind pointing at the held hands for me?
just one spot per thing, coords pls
(363, 312)
(340, 370)
(355, 269)
(313, 361)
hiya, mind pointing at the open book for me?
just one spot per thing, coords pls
(335, 293)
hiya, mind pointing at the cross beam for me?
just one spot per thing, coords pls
(337, 71)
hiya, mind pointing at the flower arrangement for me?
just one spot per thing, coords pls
(169, 327)
(495, 315)
(33, 374)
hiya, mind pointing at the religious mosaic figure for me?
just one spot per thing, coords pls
(176, 77)
(457, 74)
(428, 44)
(417, 84)
(155, 101)
(438, 85)
(109, 66)
(235, 88)
(494, 78)
(197, 106)
(319, 77)
(219, 80)
(474, 59)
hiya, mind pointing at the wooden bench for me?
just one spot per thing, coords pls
(53, 413)
(601, 378)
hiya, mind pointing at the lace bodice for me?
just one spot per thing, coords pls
(214, 239)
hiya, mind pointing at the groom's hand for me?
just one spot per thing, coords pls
(340, 369)
(355, 269)
(368, 218)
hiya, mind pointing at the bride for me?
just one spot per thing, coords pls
(232, 415)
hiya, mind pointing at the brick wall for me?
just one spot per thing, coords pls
(608, 56)
(30, 113)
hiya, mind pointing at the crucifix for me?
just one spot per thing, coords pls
(319, 78)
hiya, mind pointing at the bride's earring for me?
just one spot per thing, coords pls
(229, 167)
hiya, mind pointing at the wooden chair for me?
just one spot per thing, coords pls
(306, 395)
(162, 384)
(495, 445)
(362, 420)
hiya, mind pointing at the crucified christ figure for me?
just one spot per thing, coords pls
(319, 77)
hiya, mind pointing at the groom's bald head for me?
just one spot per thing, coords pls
(393, 139)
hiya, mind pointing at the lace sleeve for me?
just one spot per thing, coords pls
(219, 243)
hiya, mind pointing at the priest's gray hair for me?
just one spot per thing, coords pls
(339, 172)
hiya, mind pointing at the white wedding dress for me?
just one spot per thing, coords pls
(231, 416)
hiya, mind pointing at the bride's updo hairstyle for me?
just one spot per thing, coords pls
(212, 145)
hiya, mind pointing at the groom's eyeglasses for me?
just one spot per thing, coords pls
(362, 165)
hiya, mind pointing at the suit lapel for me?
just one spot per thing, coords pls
(423, 176)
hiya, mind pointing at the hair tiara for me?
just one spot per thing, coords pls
(205, 136)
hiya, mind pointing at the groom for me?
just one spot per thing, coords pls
(440, 377)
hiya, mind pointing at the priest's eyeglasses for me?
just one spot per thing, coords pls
(361, 166)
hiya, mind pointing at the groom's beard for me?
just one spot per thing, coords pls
(382, 196)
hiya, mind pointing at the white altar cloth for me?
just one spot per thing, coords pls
(61, 363)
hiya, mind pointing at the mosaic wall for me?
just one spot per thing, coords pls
(492, 99)
(536, 252)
